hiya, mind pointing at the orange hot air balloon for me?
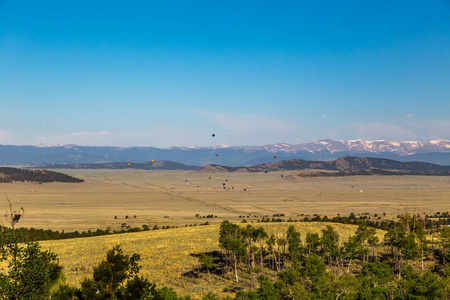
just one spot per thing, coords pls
(209, 177)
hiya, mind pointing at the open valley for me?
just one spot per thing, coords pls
(164, 198)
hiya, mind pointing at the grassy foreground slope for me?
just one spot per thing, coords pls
(166, 254)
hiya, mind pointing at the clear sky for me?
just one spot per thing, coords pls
(171, 73)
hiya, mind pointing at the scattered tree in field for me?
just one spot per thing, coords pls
(293, 239)
(207, 262)
(31, 272)
(117, 275)
(329, 243)
(231, 240)
(312, 242)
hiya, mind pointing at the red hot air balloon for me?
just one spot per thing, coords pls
(275, 156)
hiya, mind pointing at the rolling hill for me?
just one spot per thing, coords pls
(40, 176)
(344, 166)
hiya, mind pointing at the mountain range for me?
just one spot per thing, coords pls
(436, 151)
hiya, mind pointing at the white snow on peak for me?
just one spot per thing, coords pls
(40, 145)
(434, 142)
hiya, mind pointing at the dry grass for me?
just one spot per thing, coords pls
(154, 195)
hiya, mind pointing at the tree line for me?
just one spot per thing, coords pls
(431, 223)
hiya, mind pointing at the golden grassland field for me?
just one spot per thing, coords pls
(165, 198)
(167, 254)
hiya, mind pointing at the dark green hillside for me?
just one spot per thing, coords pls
(40, 176)
(345, 166)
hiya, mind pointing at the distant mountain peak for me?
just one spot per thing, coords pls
(434, 151)
(40, 145)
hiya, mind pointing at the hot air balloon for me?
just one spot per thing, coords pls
(215, 187)
(152, 161)
(129, 164)
(223, 183)
(232, 187)
(265, 172)
(281, 175)
(248, 186)
(209, 177)
(274, 156)
(213, 135)
(245, 190)
(299, 166)
(186, 180)
(224, 187)
(217, 154)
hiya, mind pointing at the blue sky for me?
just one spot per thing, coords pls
(171, 73)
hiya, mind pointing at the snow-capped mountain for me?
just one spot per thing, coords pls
(377, 146)
(436, 151)
(359, 146)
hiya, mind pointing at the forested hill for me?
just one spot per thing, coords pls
(346, 164)
(39, 176)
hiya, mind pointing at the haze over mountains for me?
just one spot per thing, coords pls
(436, 151)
